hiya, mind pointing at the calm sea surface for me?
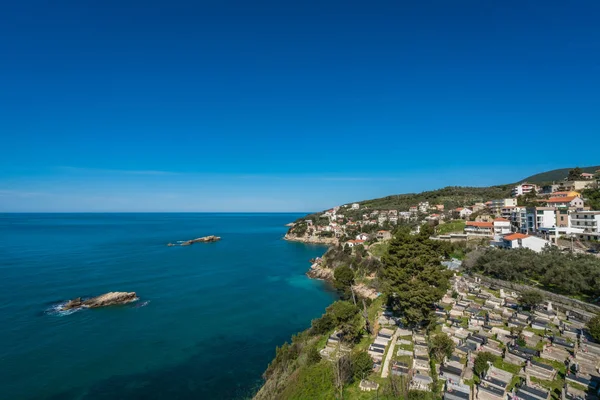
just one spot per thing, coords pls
(207, 322)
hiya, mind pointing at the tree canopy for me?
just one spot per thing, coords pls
(575, 174)
(594, 327)
(563, 273)
(441, 346)
(530, 298)
(413, 276)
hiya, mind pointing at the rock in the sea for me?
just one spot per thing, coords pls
(205, 239)
(107, 299)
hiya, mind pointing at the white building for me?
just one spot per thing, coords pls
(522, 189)
(589, 221)
(362, 236)
(520, 240)
(497, 205)
(501, 226)
(355, 206)
(465, 213)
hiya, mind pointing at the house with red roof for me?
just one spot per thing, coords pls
(569, 201)
(523, 241)
(477, 228)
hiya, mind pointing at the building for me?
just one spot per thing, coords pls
(589, 221)
(474, 228)
(464, 213)
(543, 217)
(352, 243)
(497, 205)
(577, 185)
(520, 240)
(384, 235)
(501, 226)
(522, 189)
(586, 175)
(567, 201)
(572, 193)
(362, 237)
(355, 206)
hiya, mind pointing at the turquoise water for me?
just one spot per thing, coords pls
(207, 322)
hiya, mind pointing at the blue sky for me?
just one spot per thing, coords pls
(287, 105)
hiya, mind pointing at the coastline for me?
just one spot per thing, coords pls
(310, 239)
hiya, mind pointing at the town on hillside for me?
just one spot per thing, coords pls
(533, 217)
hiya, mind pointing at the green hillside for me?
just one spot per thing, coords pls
(450, 197)
(556, 174)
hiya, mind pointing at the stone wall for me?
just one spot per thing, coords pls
(563, 303)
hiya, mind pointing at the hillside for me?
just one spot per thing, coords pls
(450, 197)
(556, 174)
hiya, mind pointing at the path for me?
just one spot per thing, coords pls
(386, 364)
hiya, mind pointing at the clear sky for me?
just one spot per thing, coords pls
(288, 105)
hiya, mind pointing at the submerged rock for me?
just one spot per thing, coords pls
(205, 239)
(107, 299)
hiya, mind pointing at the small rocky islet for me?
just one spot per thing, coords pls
(205, 239)
(107, 299)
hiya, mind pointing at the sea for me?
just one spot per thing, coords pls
(208, 318)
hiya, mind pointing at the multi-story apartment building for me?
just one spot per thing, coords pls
(497, 205)
(474, 228)
(589, 221)
(523, 188)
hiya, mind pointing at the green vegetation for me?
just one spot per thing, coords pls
(592, 198)
(441, 346)
(564, 273)
(450, 197)
(594, 327)
(343, 278)
(451, 227)
(556, 175)
(480, 366)
(413, 276)
(530, 298)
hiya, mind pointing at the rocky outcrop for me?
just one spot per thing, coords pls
(311, 239)
(107, 299)
(317, 271)
(205, 239)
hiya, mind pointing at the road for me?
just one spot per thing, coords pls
(386, 363)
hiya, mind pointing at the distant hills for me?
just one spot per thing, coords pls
(457, 196)
(556, 174)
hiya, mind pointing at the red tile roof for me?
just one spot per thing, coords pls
(480, 224)
(515, 236)
(561, 199)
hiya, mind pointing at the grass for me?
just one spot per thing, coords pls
(554, 386)
(455, 226)
(379, 249)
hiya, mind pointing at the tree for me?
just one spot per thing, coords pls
(344, 277)
(594, 327)
(413, 277)
(313, 356)
(362, 364)
(530, 298)
(441, 346)
(324, 324)
(342, 311)
(480, 366)
(342, 373)
(575, 174)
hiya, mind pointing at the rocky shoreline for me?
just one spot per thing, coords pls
(311, 239)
